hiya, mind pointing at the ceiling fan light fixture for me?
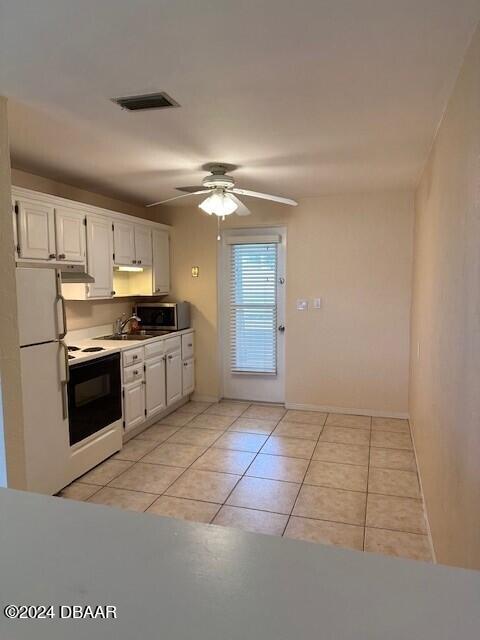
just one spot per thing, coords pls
(218, 203)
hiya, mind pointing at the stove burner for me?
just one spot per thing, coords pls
(93, 349)
(73, 348)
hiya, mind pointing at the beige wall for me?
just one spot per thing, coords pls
(445, 353)
(10, 377)
(85, 313)
(355, 252)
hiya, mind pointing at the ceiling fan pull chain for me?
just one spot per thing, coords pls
(219, 237)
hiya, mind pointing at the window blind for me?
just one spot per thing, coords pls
(253, 308)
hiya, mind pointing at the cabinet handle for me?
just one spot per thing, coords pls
(135, 373)
(134, 357)
(139, 262)
(190, 344)
(112, 293)
(52, 256)
(134, 262)
(185, 364)
(61, 256)
(170, 357)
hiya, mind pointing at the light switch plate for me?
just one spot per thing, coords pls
(302, 305)
(317, 303)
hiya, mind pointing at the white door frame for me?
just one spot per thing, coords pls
(222, 291)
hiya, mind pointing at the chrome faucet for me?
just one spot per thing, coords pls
(120, 323)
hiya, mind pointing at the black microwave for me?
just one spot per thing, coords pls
(163, 316)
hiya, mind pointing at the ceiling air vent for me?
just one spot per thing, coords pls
(149, 101)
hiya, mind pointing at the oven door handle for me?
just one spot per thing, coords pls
(65, 382)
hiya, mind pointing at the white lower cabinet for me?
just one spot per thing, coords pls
(174, 377)
(155, 388)
(188, 377)
(133, 404)
(155, 376)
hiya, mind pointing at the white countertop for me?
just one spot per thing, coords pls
(179, 580)
(85, 338)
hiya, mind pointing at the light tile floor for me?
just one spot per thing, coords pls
(335, 479)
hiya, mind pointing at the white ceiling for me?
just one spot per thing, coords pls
(308, 97)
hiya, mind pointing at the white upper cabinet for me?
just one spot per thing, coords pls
(124, 243)
(161, 262)
(52, 229)
(70, 234)
(100, 256)
(143, 246)
(36, 230)
(132, 244)
(46, 232)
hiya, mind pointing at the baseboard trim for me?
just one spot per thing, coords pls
(429, 530)
(200, 398)
(350, 411)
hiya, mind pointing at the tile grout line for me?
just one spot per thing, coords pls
(189, 467)
(308, 484)
(183, 472)
(242, 476)
(366, 494)
(306, 472)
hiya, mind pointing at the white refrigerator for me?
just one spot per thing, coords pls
(44, 366)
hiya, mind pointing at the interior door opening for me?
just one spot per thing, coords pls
(252, 317)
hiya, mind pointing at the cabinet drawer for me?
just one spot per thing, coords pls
(187, 346)
(155, 349)
(173, 344)
(132, 356)
(133, 373)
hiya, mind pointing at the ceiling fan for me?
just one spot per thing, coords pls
(222, 199)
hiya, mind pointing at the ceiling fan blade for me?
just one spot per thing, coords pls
(197, 187)
(242, 210)
(193, 193)
(263, 196)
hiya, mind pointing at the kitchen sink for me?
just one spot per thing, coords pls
(126, 336)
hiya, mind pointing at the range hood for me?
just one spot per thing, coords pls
(75, 273)
(70, 273)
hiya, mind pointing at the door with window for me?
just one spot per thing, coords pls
(252, 314)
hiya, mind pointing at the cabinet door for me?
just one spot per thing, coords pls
(161, 262)
(36, 230)
(188, 378)
(124, 243)
(133, 404)
(100, 256)
(155, 389)
(143, 246)
(174, 377)
(70, 234)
